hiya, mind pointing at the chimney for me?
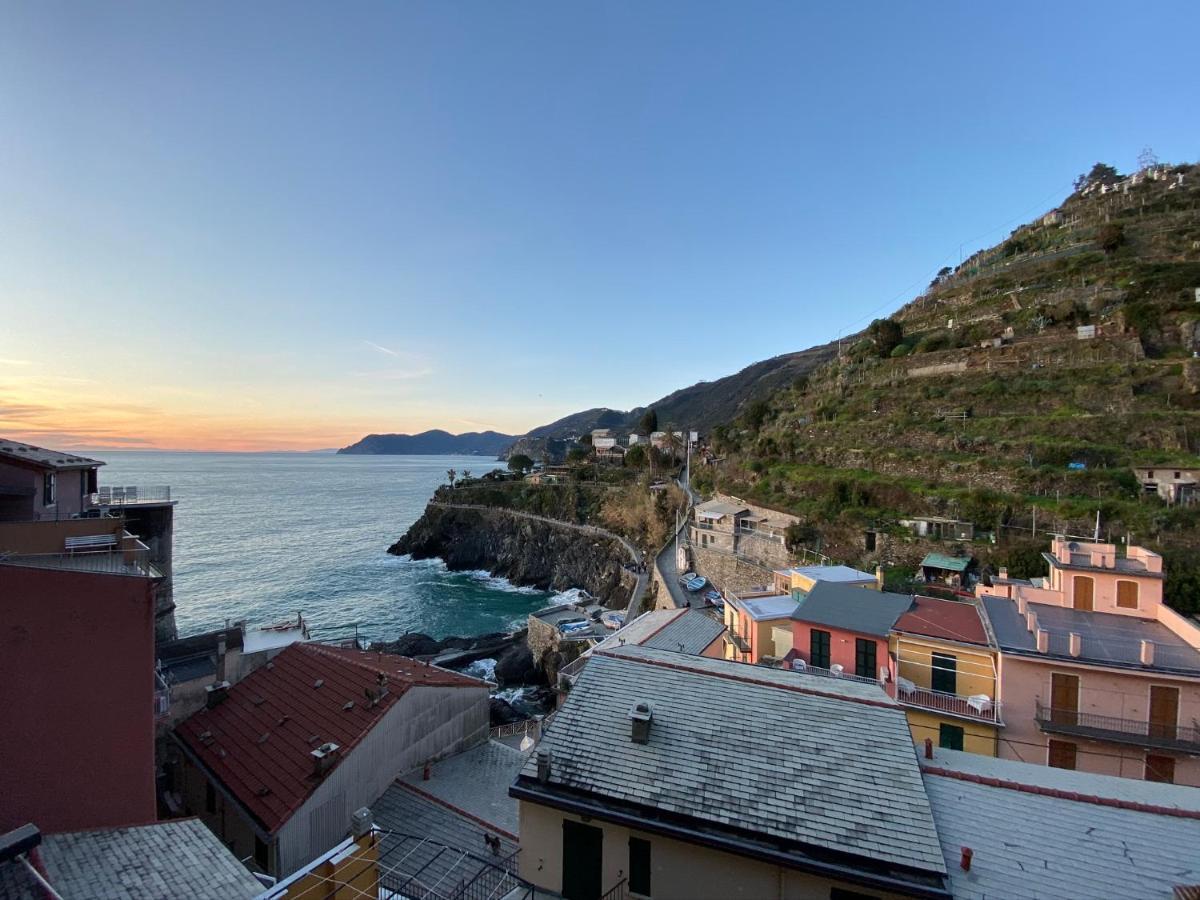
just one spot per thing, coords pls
(929, 748)
(221, 658)
(1020, 605)
(543, 765)
(360, 823)
(640, 717)
(1043, 640)
(879, 577)
(1075, 644)
(1147, 654)
(215, 693)
(1003, 572)
(965, 860)
(1030, 620)
(324, 757)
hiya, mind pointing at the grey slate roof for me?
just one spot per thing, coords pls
(690, 632)
(167, 859)
(1106, 638)
(1026, 845)
(43, 457)
(742, 747)
(852, 608)
(476, 781)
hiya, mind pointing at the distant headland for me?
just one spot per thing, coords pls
(483, 443)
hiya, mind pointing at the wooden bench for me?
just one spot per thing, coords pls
(90, 542)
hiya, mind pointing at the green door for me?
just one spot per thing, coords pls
(582, 859)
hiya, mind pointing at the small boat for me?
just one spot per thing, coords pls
(574, 627)
(697, 583)
(713, 596)
(612, 620)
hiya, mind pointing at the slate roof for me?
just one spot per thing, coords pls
(44, 458)
(691, 632)
(718, 509)
(1106, 638)
(1068, 848)
(258, 741)
(949, 563)
(746, 751)
(165, 859)
(641, 628)
(948, 619)
(852, 608)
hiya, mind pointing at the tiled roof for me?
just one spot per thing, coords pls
(691, 632)
(950, 563)
(259, 740)
(46, 459)
(166, 859)
(948, 619)
(852, 608)
(1100, 845)
(744, 750)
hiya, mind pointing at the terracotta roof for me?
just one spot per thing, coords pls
(258, 742)
(948, 619)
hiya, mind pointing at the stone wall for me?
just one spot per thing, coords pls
(728, 572)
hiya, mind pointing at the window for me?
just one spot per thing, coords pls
(1127, 594)
(1160, 768)
(864, 658)
(639, 866)
(1061, 755)
(944, 677)
(210, 798)
(262, 854)
(819, 649)
(1176, 476)
(48, 489)
(950, 737)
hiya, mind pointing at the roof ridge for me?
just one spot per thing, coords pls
(1061, 794)
(728, 676)
(671, 621)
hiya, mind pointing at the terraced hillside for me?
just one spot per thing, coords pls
(993, 402)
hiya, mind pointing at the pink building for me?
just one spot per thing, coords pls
(844, 629)
(1096, 673)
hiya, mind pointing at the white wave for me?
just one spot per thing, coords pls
(512, 696)
(496, 583)
(482, 668)
(571, 595)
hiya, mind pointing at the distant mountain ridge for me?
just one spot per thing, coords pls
(434, 442)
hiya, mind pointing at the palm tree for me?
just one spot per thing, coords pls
(671, 442)
(451, 475)
(466, 475)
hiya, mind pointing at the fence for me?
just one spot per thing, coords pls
(130, 495)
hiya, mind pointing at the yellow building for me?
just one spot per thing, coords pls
(801, 579)
(758, 625)
(947, 675)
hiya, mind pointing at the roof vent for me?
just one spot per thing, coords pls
(543, 765)
(1075, 643)
(640, 717)
(360, 822)
(1147, 653)
(324, 757)
(215, 693)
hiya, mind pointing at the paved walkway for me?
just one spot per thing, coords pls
(665, 561)
(635, 556)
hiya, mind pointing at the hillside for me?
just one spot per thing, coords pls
(486, 443)
(988, 402)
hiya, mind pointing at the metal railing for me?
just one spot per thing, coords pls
(109, 562)
(834, 673)
(162, 697)
(619, 891)
(512, 729)
(130, 495)
(1141, 732)
(981, 708)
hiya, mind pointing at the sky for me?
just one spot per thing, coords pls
(286, 225)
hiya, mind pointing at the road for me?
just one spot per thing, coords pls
(665, 561)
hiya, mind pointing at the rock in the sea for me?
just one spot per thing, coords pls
(502, 712)
(515, 666)
(413, 644)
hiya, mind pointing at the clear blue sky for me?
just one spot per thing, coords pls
(293, 223)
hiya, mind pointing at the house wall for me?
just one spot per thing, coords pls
(975, 668)
(69, 486)
(50, 536)
(1108, 692)
(781, 636)
(842, 646)
(77, 699)
(1104, 591)
(226, 819)
(426, 723)
(978, 737)
(678, 870)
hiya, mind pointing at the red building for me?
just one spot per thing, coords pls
(77, 692)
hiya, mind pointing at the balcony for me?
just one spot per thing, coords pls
(1140, 733)
(799, 665)
(738, 641)
(132, 495)
(978, 708)
(134, 561)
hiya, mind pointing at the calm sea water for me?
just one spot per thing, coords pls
(263, 536)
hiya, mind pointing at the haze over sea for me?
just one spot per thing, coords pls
(262, 536)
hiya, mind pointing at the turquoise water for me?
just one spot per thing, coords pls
(262, 536)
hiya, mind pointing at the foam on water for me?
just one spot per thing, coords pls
(482, 668)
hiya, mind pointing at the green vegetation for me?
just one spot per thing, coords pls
(520, 463)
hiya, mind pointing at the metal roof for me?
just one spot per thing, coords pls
(692, 632)
(833, 573)
(44, 458)
(949, 619)
(852, 608)
(950, 563)
(777, 606)
(1078, 835)
(259, 740)
(746, 751)
(1106, 638)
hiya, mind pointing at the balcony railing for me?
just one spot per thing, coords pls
(131, 495)
(162, 697)
(841, 674)
(1139, 732)
(979, 708)
(108, 562)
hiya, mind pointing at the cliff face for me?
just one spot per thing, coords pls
(525, 551)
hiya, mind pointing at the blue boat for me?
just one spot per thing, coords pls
(712, 596)
(697, 583)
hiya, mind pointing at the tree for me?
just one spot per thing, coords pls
(1101, 173)
(1111, 236)
(519, 463)
(586, 440)
(756, 414)
(648, 424)
(466, 475)
(576, 455)
(886, 334)
(450, 476)
(672, 443)
(636, 457)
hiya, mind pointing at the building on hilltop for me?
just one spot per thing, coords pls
(677, 776)
(275, 764)
(1097, 673)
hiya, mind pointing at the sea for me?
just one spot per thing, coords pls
(264, 536)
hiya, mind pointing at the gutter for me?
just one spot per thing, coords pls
(734, 845)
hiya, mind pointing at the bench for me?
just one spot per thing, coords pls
(90, 542)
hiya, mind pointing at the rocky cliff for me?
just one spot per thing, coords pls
(523, 550)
